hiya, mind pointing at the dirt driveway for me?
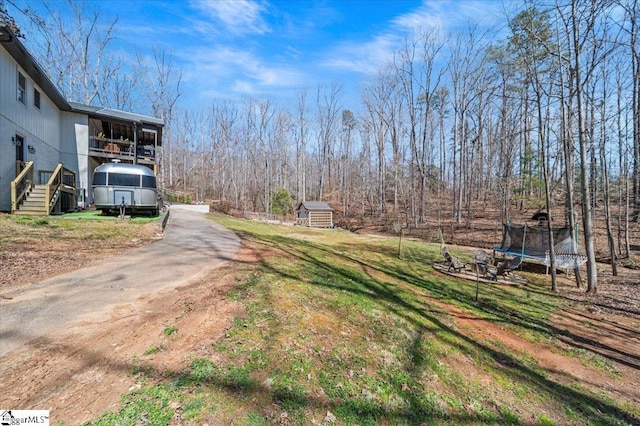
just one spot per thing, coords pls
(191, 247)
(65, 342)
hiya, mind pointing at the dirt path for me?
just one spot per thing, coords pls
(69, 343)
(80, 373)
(615, 339)
(192, 245)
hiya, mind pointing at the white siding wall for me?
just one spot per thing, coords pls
(74, 140)
(40, 128)
(7, 164)
(7, 127)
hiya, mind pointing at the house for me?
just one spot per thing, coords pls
(316, 214)
(49, 147)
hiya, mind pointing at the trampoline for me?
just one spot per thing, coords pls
(532, 242)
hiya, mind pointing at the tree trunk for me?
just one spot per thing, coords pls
(567, 147)
(587, 220)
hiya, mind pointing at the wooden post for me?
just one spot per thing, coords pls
(477, 281)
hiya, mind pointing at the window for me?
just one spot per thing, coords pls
(148, 181)
(100, 178)
(36, 98)
(22, 88)
(121, 179)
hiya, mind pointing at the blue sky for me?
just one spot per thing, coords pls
(229, 49)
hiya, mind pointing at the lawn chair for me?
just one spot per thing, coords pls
(451, 261)
(480, 263)
(504, 268)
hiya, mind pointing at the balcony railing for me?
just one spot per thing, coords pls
(121, 149)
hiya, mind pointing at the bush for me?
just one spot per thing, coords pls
(281, 202)
(222, 206)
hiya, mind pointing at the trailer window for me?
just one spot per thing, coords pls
(100, 178)
(121, 179)
(148, 181)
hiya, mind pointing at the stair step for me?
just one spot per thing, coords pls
(35, 204)
(32, 202)
(30, 213)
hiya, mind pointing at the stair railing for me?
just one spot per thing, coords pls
(53, 187)
(21, 186)
(60, 177)
(69, 179)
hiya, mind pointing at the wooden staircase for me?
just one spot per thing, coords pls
(35, 202)
(30, 199)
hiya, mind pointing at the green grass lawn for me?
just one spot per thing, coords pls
(97, 215)
(339, 329)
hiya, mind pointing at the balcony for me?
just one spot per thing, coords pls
(122, 149)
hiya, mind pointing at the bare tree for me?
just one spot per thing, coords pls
(74, 49)
(301, 145)
(531, 35)
(349, 124)
(632, 28)
(416, 66)
(9, 21)
(468, 57)
(162, 83)
(328, 116)
(376, 100)
(576, 19)
(624, 191)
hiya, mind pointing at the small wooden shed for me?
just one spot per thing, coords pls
(316, 214)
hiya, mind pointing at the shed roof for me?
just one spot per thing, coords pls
(314, 205)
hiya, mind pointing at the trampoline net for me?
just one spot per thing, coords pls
(533, 241)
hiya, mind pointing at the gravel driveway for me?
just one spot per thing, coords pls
(192, 246)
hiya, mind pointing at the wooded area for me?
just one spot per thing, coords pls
(544, 118)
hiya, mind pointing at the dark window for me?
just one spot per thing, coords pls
(22, 88)
(120, 179)
(148, 181)
(100, 178)
(36, 98)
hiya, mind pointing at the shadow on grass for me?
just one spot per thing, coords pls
(167, 391)
(366, 279)
(399, 302)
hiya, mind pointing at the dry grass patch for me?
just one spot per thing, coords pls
(35, 248)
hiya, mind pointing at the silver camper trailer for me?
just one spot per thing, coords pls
(119, 188)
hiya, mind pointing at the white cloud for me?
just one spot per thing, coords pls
(421, 18)
(448, 14)
(244, 87)
(367, 57)
(233, 70)
(238, 16)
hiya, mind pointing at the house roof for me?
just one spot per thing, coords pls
(117, 114)
(19, 52)
(314, 205)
